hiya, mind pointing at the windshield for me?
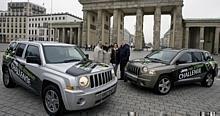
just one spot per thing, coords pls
(162, 56)
(63, 54)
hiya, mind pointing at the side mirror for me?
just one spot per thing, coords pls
(13, 53)
(209, 58)
(87, 56)
(33, 60)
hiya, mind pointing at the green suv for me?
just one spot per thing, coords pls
(163, 69)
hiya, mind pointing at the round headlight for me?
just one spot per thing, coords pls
(84, 82)
(145, 69)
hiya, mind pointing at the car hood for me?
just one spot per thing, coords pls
(79, 68)
(146, 62)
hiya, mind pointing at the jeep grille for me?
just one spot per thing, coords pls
(133, 69)
(100, 79)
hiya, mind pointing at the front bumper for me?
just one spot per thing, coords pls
(142, 80)
(78, 100)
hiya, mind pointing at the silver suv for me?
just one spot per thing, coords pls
(61, 73)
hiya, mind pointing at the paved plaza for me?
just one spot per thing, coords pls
(187, 100)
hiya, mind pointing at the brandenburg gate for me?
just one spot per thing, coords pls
(97, 24)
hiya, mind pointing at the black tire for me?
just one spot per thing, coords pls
(163, 85)
(7, 80)
(208, 80)
(57, 97)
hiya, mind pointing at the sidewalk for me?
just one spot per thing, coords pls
(217, 58)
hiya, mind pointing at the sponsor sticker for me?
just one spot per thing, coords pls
(189, 72)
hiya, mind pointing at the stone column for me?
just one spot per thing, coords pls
(139, 30)
(115, 26)
(171, 42)
(63, 35)
(157, 21)
(75, 37)
(71, 36)
(79, 37)
(186, 37)
(85, 28)
(177, 34)
(120, 28)
(201, 38)
(216, 44)
(99, 25)
(106, 21)
(60, 35)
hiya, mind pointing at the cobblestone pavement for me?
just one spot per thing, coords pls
(186, 100)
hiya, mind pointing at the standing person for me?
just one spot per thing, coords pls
(124, 54)
(115, 57)
(99, 53)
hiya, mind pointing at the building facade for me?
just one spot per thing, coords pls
(28, 21)
(41, 27)
(165, 41)
(13, 22)
(202, 34)
(25, 8)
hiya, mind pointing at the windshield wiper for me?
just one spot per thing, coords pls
(156, 59)
(71, 60)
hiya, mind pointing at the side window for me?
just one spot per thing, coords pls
(197, 57)
(185, 58)
(32, 51)
(20, 50)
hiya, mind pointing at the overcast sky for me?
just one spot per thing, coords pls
(191, 9)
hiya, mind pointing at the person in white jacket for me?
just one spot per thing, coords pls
(99, 53)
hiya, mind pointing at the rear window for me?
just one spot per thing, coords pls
(12, 46)
(197, 57)
(207, 56)
(20, 49)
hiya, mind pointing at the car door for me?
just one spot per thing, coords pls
(199, 65)
(183, 65)
(190, 67)
(33, 70)
(15, 67)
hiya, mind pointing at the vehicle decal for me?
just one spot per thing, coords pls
(18, 71)
(84, 67)
(23, 73)
(191, 71)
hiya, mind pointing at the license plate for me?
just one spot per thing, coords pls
(106, 94)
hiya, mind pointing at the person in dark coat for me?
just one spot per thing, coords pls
(124, 54)
(115, 57)
(106, 47)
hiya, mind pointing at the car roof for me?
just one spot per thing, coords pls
(184, 50)
(45, 43)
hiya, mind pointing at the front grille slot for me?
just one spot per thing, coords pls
(100, 79)
(96, 80)
(133, 69)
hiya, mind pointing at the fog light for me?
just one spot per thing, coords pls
(81, 101)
